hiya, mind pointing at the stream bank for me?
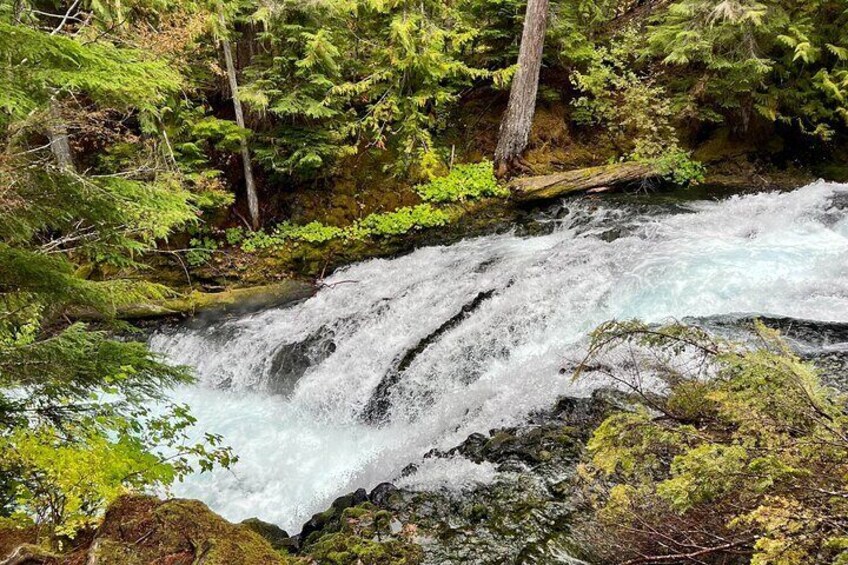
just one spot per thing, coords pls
(523, 518)
(233, 279)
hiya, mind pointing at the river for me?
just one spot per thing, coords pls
(393, 357)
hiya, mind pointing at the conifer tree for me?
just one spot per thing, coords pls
(249, 183)
(518, 119)
(76, 419)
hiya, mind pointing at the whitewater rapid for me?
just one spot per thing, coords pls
(397, 356)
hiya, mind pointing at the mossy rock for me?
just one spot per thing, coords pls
(234, 300)
(141, 530)
(345, 549)
(29, 554)
(364, 538)
(275, 535)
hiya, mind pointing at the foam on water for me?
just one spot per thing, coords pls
(781, 254)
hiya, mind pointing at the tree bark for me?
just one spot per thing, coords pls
(250, 184)
(515, 126)
(590, 178)
(57, 133)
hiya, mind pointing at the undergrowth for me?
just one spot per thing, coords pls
(400, 221)
(464, 182)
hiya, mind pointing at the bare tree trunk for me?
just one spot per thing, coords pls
(57, 132)
(250, 185)
(516, 123)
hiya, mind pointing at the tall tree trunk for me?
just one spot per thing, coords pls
(57, 133)
(250, 184)
(516, 123)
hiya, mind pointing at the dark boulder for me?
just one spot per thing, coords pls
(329, 520)
(381, 495)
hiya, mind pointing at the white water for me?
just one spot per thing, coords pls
(779, 254)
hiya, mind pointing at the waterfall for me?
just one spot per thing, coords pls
(396, 356)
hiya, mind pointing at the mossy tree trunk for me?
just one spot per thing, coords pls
(516, 123)
(250, 184)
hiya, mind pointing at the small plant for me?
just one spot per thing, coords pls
(234, 236)
(402, 220)
(679, 168)
(313, 232)
(259, 240)
(202, 248)
(464, 182)
(398, 222)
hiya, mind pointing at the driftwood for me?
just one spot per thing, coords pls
(592, 178)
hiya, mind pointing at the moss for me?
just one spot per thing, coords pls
(139, 530)
(232, 300)
(345, 549)
(365, 510)
(478, 513)
(276, 536)
(364, 538)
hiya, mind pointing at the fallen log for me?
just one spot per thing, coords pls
(591, 178)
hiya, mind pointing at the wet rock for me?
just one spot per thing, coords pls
(292, 360)
(365, 535)
(382, 494)
(329, 520)
(472, 447)
(524, 516)
(353, 499)
(408, 470)
(377, 410)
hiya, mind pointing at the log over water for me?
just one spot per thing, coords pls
(559, 184)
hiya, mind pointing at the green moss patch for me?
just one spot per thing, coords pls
(365, 538)
(139, 530)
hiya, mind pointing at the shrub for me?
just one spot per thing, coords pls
(678, 167)
(746, 453)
